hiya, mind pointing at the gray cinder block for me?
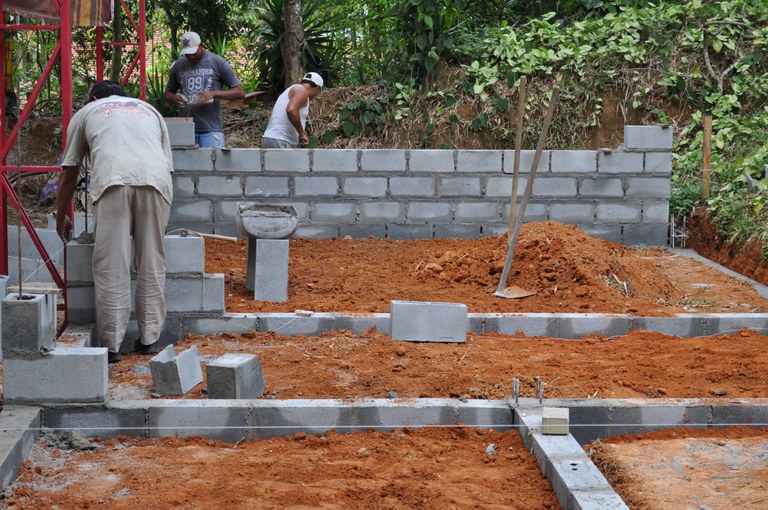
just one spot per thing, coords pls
(235, 376)
(72, 374)
(648, 137)
(175, 374)
(181, 131)
(267, 269)
(420, 321)
(29, 324)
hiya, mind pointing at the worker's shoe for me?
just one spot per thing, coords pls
(114, 357)
(148, 349)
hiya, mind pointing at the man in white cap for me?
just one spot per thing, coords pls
(195, 85)
(289, 115)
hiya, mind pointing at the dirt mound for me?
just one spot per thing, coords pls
(569, 270)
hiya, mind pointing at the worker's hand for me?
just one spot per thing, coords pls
(180, 100)
(64, 227)
(303, 139)
(204, 97)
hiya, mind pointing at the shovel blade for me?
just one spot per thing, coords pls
(514, 292)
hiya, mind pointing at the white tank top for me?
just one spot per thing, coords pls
(279, 127)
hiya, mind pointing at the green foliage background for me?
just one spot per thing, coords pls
(443, 74)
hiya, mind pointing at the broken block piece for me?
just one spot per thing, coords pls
(418, 321)
(175, 374)
(554, 421)
(235, 376)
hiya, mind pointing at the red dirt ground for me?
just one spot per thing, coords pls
(569, 270)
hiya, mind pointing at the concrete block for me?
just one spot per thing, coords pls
(119, 419)
(224, 212)
(412, 186)
(728, 322)
(494, 229)
(648, 137)
(334, 160)
(202, 293)
(529, 324)
(477, 212)
(627, 212)
(364, 186)
(419, 321)
(463, 231)
(501, 187)
(181, 131)
(334, 212)
(3, 293)
(281, 160)
(360, 324)
(183, 186)
(572, 212)
(219, 186)
(192, 160)
(238, 160)
(174, 374)
(405, 232)
(611, 187)
(534, 211)
(485, 161)
(29, 324)
(431, 160)
(576, 474)
(526, 160)
(460, 187)
(546, 186)
(579, 162)
(658, 163)
(81, 305)
(595, 500)
(729, 415)
(184, 254)
(213, 419)
(648, 187)
(381, 212)
(620, 162)
(265, 186)
(575, 325)
(646, 235)
(228, 323)
(79, 262)
(682, 325)
(291, 324)
(606, 232)
(554, 421)
(235, 376)
(66, 374)
(316, 186)
(382, 160)
(317, 231)
(656, 211)
(267, 269)
(419, 212)
(19, 430)
(358, 231)
(48, 238)
(183, 211)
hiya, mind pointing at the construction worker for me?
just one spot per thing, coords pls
(195, 86)
(289, 115)
(127, 144)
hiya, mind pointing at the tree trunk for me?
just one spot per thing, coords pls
(117, 50)
(294, 42)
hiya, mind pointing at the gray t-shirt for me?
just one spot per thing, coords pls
(191, 78)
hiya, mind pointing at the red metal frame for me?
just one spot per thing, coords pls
(62, 54)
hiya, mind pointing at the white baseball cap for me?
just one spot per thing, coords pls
(313, 78)
(189, 43)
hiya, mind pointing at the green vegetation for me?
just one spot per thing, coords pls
(443, 73)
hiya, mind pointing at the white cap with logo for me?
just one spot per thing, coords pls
(189, 43)
(314, 78)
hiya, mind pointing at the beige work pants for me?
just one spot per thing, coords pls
(122, 213)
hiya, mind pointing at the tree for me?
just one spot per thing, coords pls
(294, 42)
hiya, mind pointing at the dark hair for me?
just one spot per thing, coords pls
(104, 89)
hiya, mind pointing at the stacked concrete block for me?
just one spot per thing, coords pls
(34, 369)
(188, 289)
(174, 374)
(181, 131)
(419, 321)
(619, 194)
(235, 376)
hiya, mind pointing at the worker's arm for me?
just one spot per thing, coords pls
(174, 98)
(233, 93)
(297, 99)
(64, 193)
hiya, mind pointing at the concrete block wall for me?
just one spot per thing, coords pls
(617, 194)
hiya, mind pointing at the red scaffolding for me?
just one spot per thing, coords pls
(61, 16)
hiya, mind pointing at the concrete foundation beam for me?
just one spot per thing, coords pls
(235, 376)
(175, 374)
(19, 428)
(419, 321)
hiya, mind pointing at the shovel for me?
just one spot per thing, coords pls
(515, 292)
